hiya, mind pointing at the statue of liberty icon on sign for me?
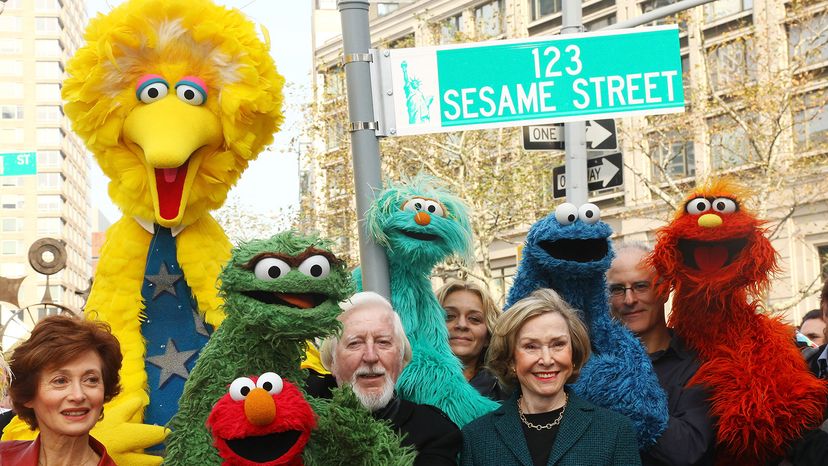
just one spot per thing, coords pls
(416, 102)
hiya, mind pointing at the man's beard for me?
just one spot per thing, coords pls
(373, 401)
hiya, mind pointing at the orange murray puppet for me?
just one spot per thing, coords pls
(716, 258)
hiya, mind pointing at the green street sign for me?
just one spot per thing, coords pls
(18, 163)
(571, 77)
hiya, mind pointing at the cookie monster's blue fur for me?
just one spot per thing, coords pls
(434, 376)
(619, 375)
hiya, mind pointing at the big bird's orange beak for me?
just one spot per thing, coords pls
(172, 137)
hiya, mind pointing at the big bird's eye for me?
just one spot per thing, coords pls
(270, 268)
(589, 213)
(151, 88)
(566, 214)
(315, 267)
(414, 204)
(697, 206)
(240, 388)
(191, 91)
(434, 208)
(724, 205)
(270, 382)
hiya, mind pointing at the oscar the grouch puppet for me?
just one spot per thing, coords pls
(279, 293)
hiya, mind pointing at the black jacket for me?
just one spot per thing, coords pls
(426, 428)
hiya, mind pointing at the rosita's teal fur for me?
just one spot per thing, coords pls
(434, 376)
(573, 260)
(262, 333)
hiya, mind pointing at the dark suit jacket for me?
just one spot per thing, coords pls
(427, 429)
(588, 435)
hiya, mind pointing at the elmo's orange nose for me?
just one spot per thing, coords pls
(259, 407)
(422, 218)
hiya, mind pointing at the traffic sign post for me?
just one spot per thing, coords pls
(18, 163)
(605, 171)
(565, 78)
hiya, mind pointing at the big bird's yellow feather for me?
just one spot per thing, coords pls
(136, 143)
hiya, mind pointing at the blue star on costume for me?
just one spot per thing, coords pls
(173, 329)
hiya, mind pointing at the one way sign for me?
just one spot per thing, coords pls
(602, 172)
(601, 135)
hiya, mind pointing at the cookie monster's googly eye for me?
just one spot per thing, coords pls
(240, 388)
(191, 91)
(315, 267)
(151, 88)
(724, 205)
(566, 213)
(589, 213)
(270, 268)
(434, 208)
(697, 206)
(415, 204)
(270, 382)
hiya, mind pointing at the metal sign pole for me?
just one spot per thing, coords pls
(356, 40)
(574, 133)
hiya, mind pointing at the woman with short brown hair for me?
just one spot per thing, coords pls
(63, 374)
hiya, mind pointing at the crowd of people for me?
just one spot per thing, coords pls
(524, 358)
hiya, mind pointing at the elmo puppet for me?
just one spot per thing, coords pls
(261, 421)
(717, 260)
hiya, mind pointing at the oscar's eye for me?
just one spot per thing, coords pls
(270, 268)
(315, 267)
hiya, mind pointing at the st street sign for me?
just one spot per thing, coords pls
(602, 172)
(18, 163)
(571, 77)
(600, 135)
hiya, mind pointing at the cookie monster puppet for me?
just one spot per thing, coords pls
(174, 98)
(570, 252)
(419, 224)
(278, 293)
(716, 258)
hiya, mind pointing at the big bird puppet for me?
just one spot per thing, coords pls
(174, 98)
(717, 260)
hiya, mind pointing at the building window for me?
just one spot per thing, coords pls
(11, 201)
(502, 279)
(729, 144)
(811, 125)
(732, 63)
(450, 28)
(334, 79)
(9, 181)
(11, 90)
(49, 136)
(47, 5)
(11, 135)
(541, 8)
(488, 19)
(11, 68)
(49, 181)
(49, 203)
(48, 47)
(601, 23)
(672, 156)
(10, 23)
(12, 269)
(11, 225)
(49, 113)
(13, 5)
(723, 8)
(49, 159)
(10, 247)
(808, 41)
(11, 112)
(387, 8)
(47, 24)
(11, 46)
(48, 69)
(47, 91)
(49, 226)
(822, 251)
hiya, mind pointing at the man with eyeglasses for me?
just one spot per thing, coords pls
(690, 435)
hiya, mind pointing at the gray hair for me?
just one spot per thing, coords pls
(631, 245)
(327, 350)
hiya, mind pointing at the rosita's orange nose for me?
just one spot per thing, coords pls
(422, 218)
(259, 407)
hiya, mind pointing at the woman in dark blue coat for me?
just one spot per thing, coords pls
(538, 346)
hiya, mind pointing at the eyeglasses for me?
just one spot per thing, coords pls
(617, 291)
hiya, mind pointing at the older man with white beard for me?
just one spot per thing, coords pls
(369, 356)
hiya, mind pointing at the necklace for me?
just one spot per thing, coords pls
(542, 426)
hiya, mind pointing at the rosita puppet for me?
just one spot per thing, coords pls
(716, 259)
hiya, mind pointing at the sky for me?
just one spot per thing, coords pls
(271, 182)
